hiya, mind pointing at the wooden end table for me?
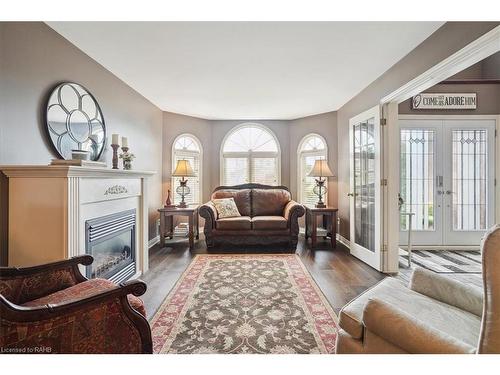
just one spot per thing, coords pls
(329, 216)
(167, 223)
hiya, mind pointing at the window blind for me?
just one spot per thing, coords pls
(263, 171)
(235, 171)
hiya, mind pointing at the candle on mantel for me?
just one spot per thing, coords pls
(114, 139)
(124, 142)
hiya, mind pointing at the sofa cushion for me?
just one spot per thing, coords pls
(448, 319)
(269, 202)
(226, 208)
(269, 222)
(83, 290)
(234, 223)
(241, 198)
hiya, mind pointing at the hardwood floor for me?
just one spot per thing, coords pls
(340, 276)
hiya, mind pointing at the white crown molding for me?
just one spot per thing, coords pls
(70, 171)
(472, 53)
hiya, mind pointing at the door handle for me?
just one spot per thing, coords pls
(352, 194)
(448, 192)
(440, 192)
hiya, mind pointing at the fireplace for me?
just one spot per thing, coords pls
(111, 241)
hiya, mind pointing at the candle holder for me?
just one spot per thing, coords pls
(115, 155)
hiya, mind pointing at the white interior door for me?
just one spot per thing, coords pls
(447, 175)
(365, 198)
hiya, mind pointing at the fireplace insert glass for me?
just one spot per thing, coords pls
(111, 241)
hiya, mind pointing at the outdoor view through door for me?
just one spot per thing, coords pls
(447, 180)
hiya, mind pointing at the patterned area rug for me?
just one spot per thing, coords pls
(245, 304)
(441, 261)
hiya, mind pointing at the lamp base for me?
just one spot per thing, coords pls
(182, 205)
(320, 205)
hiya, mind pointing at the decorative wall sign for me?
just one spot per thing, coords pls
(444, 101)
(75, 122)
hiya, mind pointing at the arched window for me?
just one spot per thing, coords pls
(187, 147)
(311, 148)
(250, 153)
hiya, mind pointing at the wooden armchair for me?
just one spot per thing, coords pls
(53, 308)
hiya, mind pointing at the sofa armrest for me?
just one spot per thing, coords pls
(209, 213)
(292, 212)
(91, 319)
(447, 290)
(293, 208)
(407, 332)
(19, 285)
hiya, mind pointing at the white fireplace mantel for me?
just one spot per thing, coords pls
(49, 205)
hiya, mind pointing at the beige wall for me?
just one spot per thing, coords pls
(175, 125)
(325, 125)
(33, 59)
(445, 41)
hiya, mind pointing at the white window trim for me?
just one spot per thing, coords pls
(249, 155)
(187, 153)
(300, 154)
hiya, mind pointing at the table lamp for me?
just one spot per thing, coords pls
(322, 171)
(183, 169)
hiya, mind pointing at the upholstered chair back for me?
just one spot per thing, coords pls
(489, 338)
(241, 197)
(256, 199)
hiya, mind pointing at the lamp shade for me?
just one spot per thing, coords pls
(183, 169)
(320, 169)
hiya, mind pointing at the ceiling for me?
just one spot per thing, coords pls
(247, 70)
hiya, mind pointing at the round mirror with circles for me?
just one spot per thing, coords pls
(75, 123)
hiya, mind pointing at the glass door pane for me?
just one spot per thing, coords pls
(417, 179)
(364, 184)
(469, 179)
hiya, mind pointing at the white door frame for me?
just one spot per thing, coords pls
(474, 52)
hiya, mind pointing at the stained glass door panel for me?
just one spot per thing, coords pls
(469, 197)
(421, 181)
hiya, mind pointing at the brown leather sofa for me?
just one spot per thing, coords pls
(434, 314)
(268, 216)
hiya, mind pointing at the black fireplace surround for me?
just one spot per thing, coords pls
(110, 240)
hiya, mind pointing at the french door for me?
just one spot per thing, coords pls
(365, 198)
(447, 174)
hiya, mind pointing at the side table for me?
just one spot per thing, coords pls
(329, 216)
(167, 222)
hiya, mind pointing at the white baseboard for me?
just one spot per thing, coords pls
(153, 241)
(344, 241)
(441, 247)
